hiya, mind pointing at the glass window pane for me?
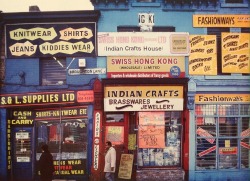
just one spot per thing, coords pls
(114, 117)
(164, 129)
(206, 154)
(245, 110)
(229, 128)
(245, 153)
(228, 153)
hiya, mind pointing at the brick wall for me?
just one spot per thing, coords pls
(160, 175)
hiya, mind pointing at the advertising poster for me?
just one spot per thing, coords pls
(151, 130)
(203, 55)
(46, 40)
(235, 52)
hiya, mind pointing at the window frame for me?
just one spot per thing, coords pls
(218, 138)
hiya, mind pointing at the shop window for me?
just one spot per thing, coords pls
(114, 117)
(53, 71)
(67, 141)
(159, 139)
(229, 149)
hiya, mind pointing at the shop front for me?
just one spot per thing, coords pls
(145, 121)
(65, 128)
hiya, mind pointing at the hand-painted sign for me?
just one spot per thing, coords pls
(126, 165)
(221, 98)
(45, 98)
(142, 44)
(46, 40)
(143, 98)
(235, 52)
(203, 55)
(151, 132)
(145, 67)
(221, 20)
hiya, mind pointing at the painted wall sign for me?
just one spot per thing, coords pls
(143, 98)
(235, 52)
(222, 20)
(87, 71)
(44, 98)
(203, 55)
(221, 98)
(145, 67)
(142, 44)
(46, 40)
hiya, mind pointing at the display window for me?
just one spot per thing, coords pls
(67, 141)
(222, 136)
(159, 139)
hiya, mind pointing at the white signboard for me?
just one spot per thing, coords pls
(141, 104)
(143, 44)
(22, 135)
(146, 19)
(87, 71)
(22, 159)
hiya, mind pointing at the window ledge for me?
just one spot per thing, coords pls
(146, 4)
(234, 5)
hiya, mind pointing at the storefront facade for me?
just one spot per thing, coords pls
(47, 94)
(209, 135)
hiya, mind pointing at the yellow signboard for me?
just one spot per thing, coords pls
(203, 55)
(222, 20)
(235, 52)
(221, 98)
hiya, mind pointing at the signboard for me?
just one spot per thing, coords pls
(207, 151)
(205, 133)
(222, 98)
(146, 19)
(222, 20)
(126, 165)
(22, 135)
(151, 132)
(235, 52)
(145, 67)
(203, 55)
(47, 40)
(143, 44)
(45, 98)
(87, 71)
(228, 151)
(143, 98)
(132, 142)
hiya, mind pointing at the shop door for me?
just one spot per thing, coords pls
(115, 131)
(22, 154)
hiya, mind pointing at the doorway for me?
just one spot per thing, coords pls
(115, 129)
